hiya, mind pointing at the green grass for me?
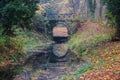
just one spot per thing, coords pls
(71, 77)
(79, 72)
(83, 69)
(29, 39)
(80, 42)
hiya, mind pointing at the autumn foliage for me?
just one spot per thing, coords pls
(106, 61)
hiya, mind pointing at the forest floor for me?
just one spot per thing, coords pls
(100, 63)
(106, 62)
(105, 58)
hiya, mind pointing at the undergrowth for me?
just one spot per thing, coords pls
(13, 50)
(84, 43)
(81, 42)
